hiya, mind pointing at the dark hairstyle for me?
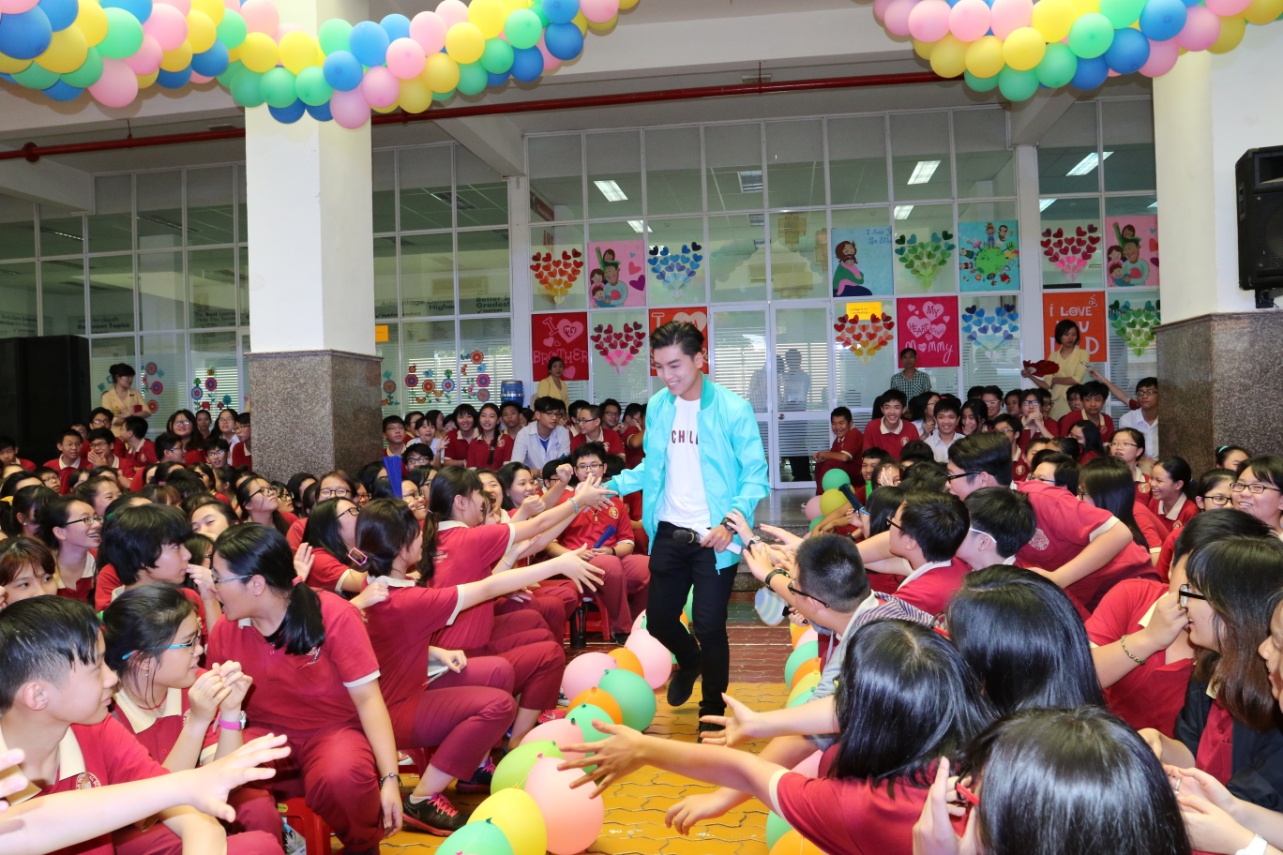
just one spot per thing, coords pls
(19, 552)
(1005, 515)
(160, 494)
(392, 420)
(684, 335)
(69, 432)
(193, 438)
(165, 442)
(42, 638)
(916, 451)
(1063, 327)
(1211, 479)
(909, 350)
(832, 571)
(917, 407)
(905, 698)
(192, 504)
(132, 539)
(53, 512)
(1267, 468)
(996, 391)
(244, 495)
(141, 623)
(493, 442)
(185, 482)
(553, 361)
(451, 481)
(1240, 577)
(507, 474)
(295, 484)
(1136, 437)
(255, 550)
(1066, 474)
(1010, 421)
(1074, 391)
(1223, 452)
(101, 435)
(215, 442)
(464, 410)
(121, 369)
(416, 449)
(974, 393)
(983, 452)
(386, 527)
(1203, 529)
(29, 504)
(200, 547)
(1146, 383)
(7, 442)
(136, 425)
(948, 404)
(937, 521)
(978, 411)
(577, 405)
(244, 418)
(1069, 447)
(589, 449)
(634, 409)
(1070, 781)
(322, 528)
(1107, 481)
(878, 454)
(549, 404)
(1179, 470)
(1095, 389)
(1091, 436)
(892, 395)
(882, 505)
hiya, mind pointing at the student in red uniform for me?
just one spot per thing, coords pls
(890, 432)
(331, 532)
(1106, 483)
(522, 501)
(457, 442)
(73, 532)
(102, 454)
(147, 544)
(926, 531)
(845, 451)
(589, 423)
(1001, 522)
(182, 424)
(1033, 422)
(1172, 490)
(99, 491)
(468, 703)
(632, 433)
(316, 679)
(25, 508)
(68, 461)
(906, 699)
(1009, 427)
(1258, 489)
(1095, 394)
(240, 456)
(9, 454)
(257, 499)
(182, 714)
(54, 693)
(1212, 493)
(1087, 435)
(27, 570)
(492, 447)
(209, 515)
(1128, 445)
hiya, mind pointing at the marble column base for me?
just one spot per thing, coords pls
(1221, 384)
(314, 411)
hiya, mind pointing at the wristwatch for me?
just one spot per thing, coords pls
(236, 724)
(777, 571)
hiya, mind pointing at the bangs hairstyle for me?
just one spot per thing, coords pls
(132, 539)
(322, 528)
(833, 571)
(253, 550)
(507, 475)
(983, 452)
(42, 639)
(386, 527)
(1108, 482)
(450, 483)
(18, 553)
(905, 698)
(1203, 529)
(1092, 441)
(1267, 468)
(1239, 576)
(141, 623)
(200, 501)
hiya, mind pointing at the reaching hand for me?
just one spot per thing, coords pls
(693, 809)
(372, 594)
(245, 764)
(933, 833)
(758, 558)
(303, 561)
(737, 726)
(203, 579)
(532, 506)
(1210, 828)
(613, 758)
(565, 472)
(736, 522)
(573, 566)
(787, 538)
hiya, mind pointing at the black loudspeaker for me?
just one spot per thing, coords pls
(1258, 178)
(44, 386)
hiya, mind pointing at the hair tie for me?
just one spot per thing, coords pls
(8, 500)
(298, 580)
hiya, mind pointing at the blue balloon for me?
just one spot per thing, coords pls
(288, 115)
(1091, 73)
(343, 71)
(25, 35)
(321, 112)
(564, 41)
(1129, 51)
(1161, 20)
(173, 79)
(369, 43)
(212, 62)
(561, 11)
(397, 26)
(61, 91)
(140, 9)
(527, 64)
(62, 13)
(500, 79)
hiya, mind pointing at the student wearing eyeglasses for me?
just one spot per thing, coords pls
(1212, 493)
(330, 531)
(1258, 489)
(71, 529)
(591, 429)
(257, 499)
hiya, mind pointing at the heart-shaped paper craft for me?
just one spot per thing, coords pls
(932, 310)
(569, 330)
(918, 326)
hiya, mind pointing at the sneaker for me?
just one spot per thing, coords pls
(480, 780)
(681, 684)
(620, 638)
(562, 700)
(550, 715)
(434, 815)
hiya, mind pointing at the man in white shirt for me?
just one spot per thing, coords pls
(947, 415)
(1145, 417)
(545, 438)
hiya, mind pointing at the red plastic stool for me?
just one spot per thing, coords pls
(314, 831)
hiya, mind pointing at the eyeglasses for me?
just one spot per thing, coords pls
(89, 520)
(266, 491)
(1146, 393)
(895, 525)
(1255, 489)
(186, 645)
(983, 533)
(1218, 501)
(413, 494)
(591, 467)
(1123, 445)
(182, 423)
(956, 477)
(1186, 594)
(334, 493)
(587, 421)
(353, 511)
(795, 592)
(230, 579)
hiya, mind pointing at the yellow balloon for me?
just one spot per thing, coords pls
(604, 27)
(488, 17)
(949, 59)
(202, 32)
(923, 49)
(65, 53)
(259, 52)
(831, 501)
(510, 6)
(212, 9)
(518, 817)
(581, 22)
(804, 685)
(1085, 7)
(146, 80)
(1263, 11)
(984, 56)
(627, 4)
(178, 58)
(299, 50)
(391, 108)
(1053, 18)
(9, 65)
(1232, 29)
(441, 74)
(464, 43)
(1024, 48)
(415, 96)
(234, 54)
(91, 21)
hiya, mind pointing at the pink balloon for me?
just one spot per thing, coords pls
(428, 29)
(810, 767)
(599, 11)
(880, 9)
(234, 5)
(118, 86)
(381, 89)
(17, 7)
(929, 20)
(261, 16)
(452, 12)
(585, 672)
(1227, 8)
(639, 622)
(405, 58)
(812, 507)
(559, 731)
(550, 62)
(574, 819)
(350, 109)
(809, 635)
(1162, 56)
(1010, 15)
(148, 57)
(897, 19)
(1202, 29)
(657, 662)
(969, 20)
(183, 6)
(167, 26)
(200, 78)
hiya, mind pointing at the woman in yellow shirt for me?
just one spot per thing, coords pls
(1072, 361)
(121, 400)
(553, 386)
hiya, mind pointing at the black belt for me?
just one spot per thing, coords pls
(681, 535)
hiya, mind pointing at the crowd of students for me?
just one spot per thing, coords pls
(1037, 634)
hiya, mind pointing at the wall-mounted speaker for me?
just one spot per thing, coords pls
(1258, 178)
(44, 387)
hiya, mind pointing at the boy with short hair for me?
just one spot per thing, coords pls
(69, 461)
(393, 435)
(169, 449)
(9, 454)
(992, 399)
(871, 460)
(545, 438)
(1002, 521)
(510, 417)
(1074, 398)
(593, 429)
(891, 432)
(1095, 394)
(139, 450)
(948, 413)
(102, 444)
(843, 453)
(241, 455)
(145, 545)
(926, 531)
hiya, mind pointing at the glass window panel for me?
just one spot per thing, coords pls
(160, 210)
(988, 246)
(111, 223)
(678, 287)
(614, 174)
(18, 315)
(1132, 359)
(616, 372)
(484, 272)
(432, 357)
(795, 164)
(483, 192)
(858, 160)
(242, 209)
(169, 386)
(556, 178)
(992, 357)
(799, 255)
(932, 272)
(61, 233)
(111, 293)
(425, 177)
(210, 212)
(737, 257)
(985, 165)
(1131, 241)
(213, 287)
(17, 228)
(673, 171)
(427, 275)
(162, 292)
(62, 297)
(385, 297)
(106, 352)
(739, 355)
(214, 366)
(734, 157)
(491, 340)
(1128, 131)
(860, 382)
(383, 178)
(804, 380)
(1070, 146)
(1066, 222)
(870, 230)
(242, 284)
(920, 156)
(392, 375)
(557, 283)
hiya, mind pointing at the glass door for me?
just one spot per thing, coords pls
(739, 345)
(803, 365)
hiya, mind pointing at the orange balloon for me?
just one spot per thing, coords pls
(810, 666)
(601, 698)
(627, 660)
(796, 632)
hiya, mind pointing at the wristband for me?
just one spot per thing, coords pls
(778, 571)
(390, 776)
(237, 724)
(612, 550)
(1123, 642)
(1256, 847)
(574, 504)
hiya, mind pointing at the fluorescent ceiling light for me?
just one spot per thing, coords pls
(611, 191)
(750, 180)
(923, 171)
(902, 212)
(638, 226)
(1045, 204)
(1088, 163)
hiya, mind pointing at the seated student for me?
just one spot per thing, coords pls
(591, 429)
(1052, 467)
(1094, 396)
(455, 445)
(209, 515)
(73, 532)
(241, 456)
(1011, 403)
(394, 436)
(844, 452)
(1001, 522)
(1142, 410)
(1229, 725)
(27, 570)
(921, 412)
(948, 413)
(890, 432)
(1087, 436)
(871, 460)
(138, 449)
(1106, 483)
(632, 435)
(102, 455)
(492, 447)
(68, 462)
(1010, 428)
(415, 456)
(99, 491)
(510, 419)
(169, 449)
(184, 715)
(544, 439)
(330, 531)
(972, 418)
(1074, 399)
(1032, 421)
(1037, 445)
(1128, 445)
(1172, 488)
(425, 434)
(1213, 492)
(9, 454)
(1258, 489)
(1231, 457)
(54, 689)
(258, 501)
(913, 452)
(146, 544)
(992, 400)
(907, 699)
(317, 681)
(926, 531)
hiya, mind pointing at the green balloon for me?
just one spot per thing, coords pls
(776, 827)
(497, 56)
(231, 30)
(800, 654)
(247, 88)
(1058, 66)
(801, 699)
(1121, 13)
(335, 35)
(442, 97)
(981, 84)
(87, 74)
(512, 770)
(124, 35)
(482, 836)
(523, 29)
(1091, 35)
(583, 717)
(815, 523)
(233, 68)
(35, 77)
(312, 88)
(1017, 85)
(835, 478)
(634, 695)
(542, 15)
(689, 608)
(278, 87)
(472, 79)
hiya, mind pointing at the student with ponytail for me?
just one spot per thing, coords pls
(331, 533)
(492, 448)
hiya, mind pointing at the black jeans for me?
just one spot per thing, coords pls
(676, 566)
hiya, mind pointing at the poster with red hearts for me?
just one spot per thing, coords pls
(697, 315)
(1085, 308)
(929, 325)
(557, 270)
(563, 334)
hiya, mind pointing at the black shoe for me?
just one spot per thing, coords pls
(435, 816)
(620, 638)
(681, 685)
(480, 780)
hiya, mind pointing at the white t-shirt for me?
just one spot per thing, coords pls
(684, 504)
(1136, 419)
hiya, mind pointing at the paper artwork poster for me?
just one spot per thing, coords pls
(989, 256)
(1085, 308)
(1131, 251)
(557, 271)
(924, 260)
(862, 262)
(563, 334)
(697, 315)
(616, 274)
(929, 325)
